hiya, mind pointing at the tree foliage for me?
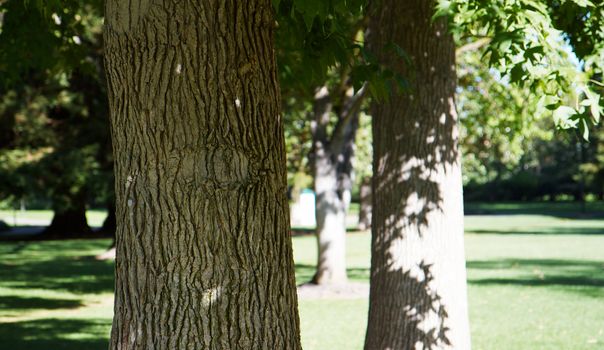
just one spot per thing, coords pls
(56, 143)
(530, 47)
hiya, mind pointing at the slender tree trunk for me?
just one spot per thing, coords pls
(333, 177)
(204, 257)
(365, 204)
(418, 279)
(331, 224)
(329, 208)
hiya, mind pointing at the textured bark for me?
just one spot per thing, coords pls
(365, 204)
(333, 177)
(418, 280)
(204, 258)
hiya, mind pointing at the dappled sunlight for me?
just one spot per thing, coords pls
(67, 274)
(418, 281)
(53, 333)
(100, 305)
(424, 312)
(545, 289)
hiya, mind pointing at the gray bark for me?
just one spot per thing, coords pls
(333, 177)
(418, 280)
(204, 256)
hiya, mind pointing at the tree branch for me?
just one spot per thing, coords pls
(475, 45)
(349, 110)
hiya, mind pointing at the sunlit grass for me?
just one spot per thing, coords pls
(95, 217)
(535, 282)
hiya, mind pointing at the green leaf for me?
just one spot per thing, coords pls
(563, 117)
(583, 3)
(549, 102)
(517, 73)
(585, 129)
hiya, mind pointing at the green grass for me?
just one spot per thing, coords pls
(54, 295)
(535, 282)
(564, 209)
(95, 217)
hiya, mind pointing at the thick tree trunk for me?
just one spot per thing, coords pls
(418, 279)
(365, 204)
(69, 219)
(204, 257)
(69, 222)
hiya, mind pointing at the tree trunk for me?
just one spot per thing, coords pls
(110, 224)
(418, 279)
(69, 219)
(333, 177)
(204, 257)
(331, 223)
(365, 204)
(69, 222)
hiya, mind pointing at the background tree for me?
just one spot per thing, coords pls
(364, 171)
(323, 60)
(527, 159)
(55, 107)
(332, 116)
(498, 123)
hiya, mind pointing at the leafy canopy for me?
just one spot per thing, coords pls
(533, 45)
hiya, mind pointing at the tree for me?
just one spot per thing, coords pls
(204, 257)
(333, 155)
(497, 125)
(549, 58)
(363, 170)
(528, 43)
(418, 275)
(325, 72)
(55, 108)
(418, 278)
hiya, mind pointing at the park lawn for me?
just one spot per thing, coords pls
(535, 282)
(95, 217)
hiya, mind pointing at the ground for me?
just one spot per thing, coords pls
(536, 281)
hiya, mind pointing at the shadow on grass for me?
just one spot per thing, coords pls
(586, 277)
(544, 231)
(566, 210)
(306, 231)
(61, 273)
(46, 334)
(14, 302)
(305, 272)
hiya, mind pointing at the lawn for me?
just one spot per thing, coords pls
(536, 281)
(43, 217)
